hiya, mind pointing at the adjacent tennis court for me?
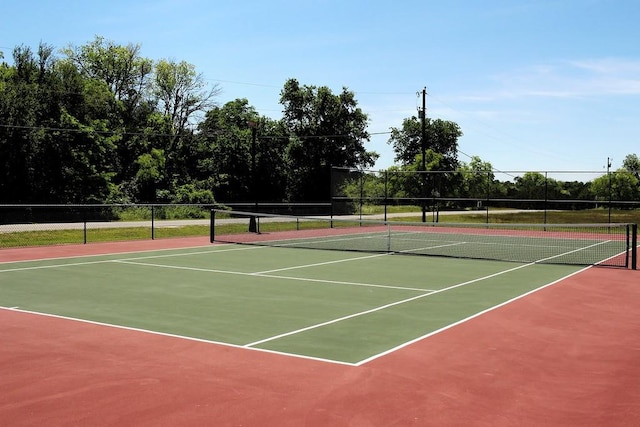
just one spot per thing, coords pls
(277, 297)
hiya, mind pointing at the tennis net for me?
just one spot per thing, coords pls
(612, 245)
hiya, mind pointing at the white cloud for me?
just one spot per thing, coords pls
(572, 79)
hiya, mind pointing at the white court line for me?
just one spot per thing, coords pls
(488, 309)
(412, 299)
(233, 249)
(574, 251)
(75, 264)
(446, 245)
(428, 293)
(297, 241)
(42, 267)
(183, 337)
(247, 346)
(340, 319)
(295, 267)
(473, 316)
(102, 255)
(271, 276)
(383, 307)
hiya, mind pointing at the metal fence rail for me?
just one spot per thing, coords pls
(22, 225)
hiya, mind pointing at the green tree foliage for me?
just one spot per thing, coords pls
(54, 146)
(151, 168)
(362, 188)
(224, 150)
(121, 68)
(476, 179)
(619, 185)
(132, 113)
(531, 185)
(101, 123)
(182, 97)
(631, 164)
(181, 92)
(441, 137)
(326, 130)
(226, 138)
(21, 110)
(441, 151)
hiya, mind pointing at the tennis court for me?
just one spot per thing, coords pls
(277, 297)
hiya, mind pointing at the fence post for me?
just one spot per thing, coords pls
(212, 225)
(386, 192)
(153, 234)
(84, 221)
(332, 194)
(489, 182)
(546, 195)
(361, 193)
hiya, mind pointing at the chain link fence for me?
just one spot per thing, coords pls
(356, 191)
(28, 225)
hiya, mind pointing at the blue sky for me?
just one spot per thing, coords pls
(540, 85)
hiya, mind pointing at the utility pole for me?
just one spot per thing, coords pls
(423, 169)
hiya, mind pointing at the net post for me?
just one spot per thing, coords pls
(212, 226)
(634, 246)
(388, 224)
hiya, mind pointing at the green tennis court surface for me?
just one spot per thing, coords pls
(339, 306)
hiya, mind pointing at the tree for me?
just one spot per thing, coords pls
(150, 172)
(358, 188)
(326, 130)
(126, 75)
(272, 171)
(182, 95)
(56, 146)
(223, 150)
(122, 68)
(477, 178)
(21, 110)
(181, 92)
(224, 153)
(632, 164)
(618, 185)
(441, 137)
(531, 185)
(441, 150)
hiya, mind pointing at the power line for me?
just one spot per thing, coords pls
(205, 133)
(356, 92)
(243, 83)
(71, 130)
(501, 134)
(493, 169)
